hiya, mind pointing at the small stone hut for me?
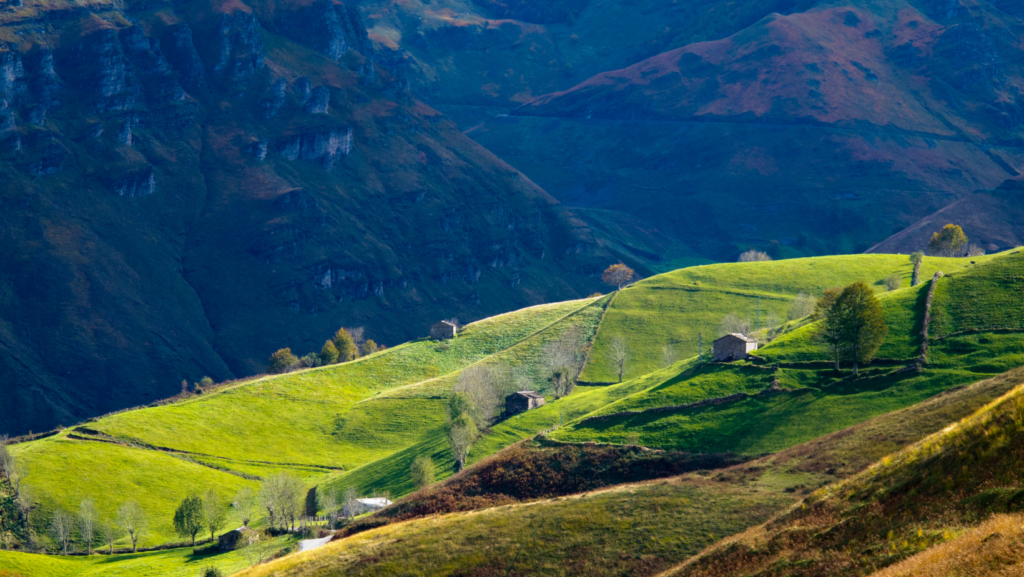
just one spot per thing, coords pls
(733, 347)
(443, 330)
(522, 401)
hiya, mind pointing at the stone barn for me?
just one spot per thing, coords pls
(443, 331)
(733, 347)
(522, 401)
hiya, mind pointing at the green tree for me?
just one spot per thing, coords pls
(458, 404)
(329, 353)
(215, 511)
(281, 361)
(826, 301)
(422, 471)
(950, 241)
(370, 347)
(189, 518)
(346, 346)
(862, 328)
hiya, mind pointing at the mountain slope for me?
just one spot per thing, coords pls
(906, 503)
(846, 123)
(189, 186)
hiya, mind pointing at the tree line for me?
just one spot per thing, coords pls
(347, 344)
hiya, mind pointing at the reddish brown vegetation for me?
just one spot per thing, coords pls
(537, 470)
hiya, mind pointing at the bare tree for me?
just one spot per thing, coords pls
(11, 469)
(732, 323)
(282, 496)
(802, 306)
(62, 526)
(754, 256)
(87, 519)
(350, 502)
(564, 359)
(669, 355)
(461, 435)
(358, 336)
(215, 510)
(257, 546)
(975, 250)
(620, 354)
(132, 519)
(328, 503)
(480, 385)
(246, 504)
(109, 533)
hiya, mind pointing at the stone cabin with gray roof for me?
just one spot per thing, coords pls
(733, 347)
(522, 401)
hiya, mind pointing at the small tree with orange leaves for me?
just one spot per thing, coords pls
(618, 275)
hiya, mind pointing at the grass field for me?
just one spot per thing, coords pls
(167, 563)
(911, 501)
(633, 529)
(302, 422)
(673, 308)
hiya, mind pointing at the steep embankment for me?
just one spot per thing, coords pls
(838, 121)
(189, 186)
(908, 502)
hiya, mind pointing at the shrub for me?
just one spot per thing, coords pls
(281, 361)
(754, 256)
(211, 572)
(205, 382)
(892, 282)
(310, 360)
(310, 532)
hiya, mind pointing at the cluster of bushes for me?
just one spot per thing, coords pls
(535, 471)
(347, 345)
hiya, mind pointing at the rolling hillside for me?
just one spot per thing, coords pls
(585, 534)
(360, 424)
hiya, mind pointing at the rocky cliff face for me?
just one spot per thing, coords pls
(188, 187)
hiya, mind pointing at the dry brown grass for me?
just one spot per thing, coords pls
(994, 548)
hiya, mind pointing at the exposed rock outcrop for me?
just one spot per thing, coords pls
(183, 56)
(327, 146)
(108, 72)
(45, 83)
(329, 28)
(12, 76)
(139, 183)
(258, 149)
(241, 48)
(124, 134)
(272, 100)
(303, 88)
(318, 100)
(153, 69)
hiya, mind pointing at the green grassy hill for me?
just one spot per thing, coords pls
(633, 529)
(809, 399)
(362, 423)
(925, 495)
